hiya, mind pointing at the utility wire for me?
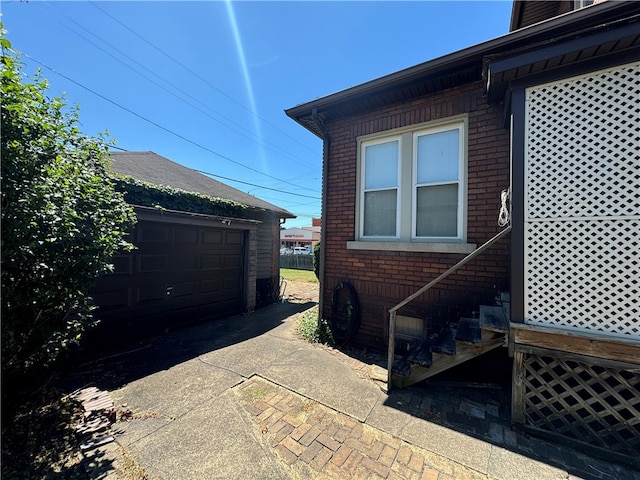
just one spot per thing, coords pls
(112, 146)
(116, 147)
(259, 186)
(235, 180)
(250, 135)
(182, 137)
(200, 77)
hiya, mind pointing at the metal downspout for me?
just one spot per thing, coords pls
(323, 231)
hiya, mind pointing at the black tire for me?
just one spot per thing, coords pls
(345, 313)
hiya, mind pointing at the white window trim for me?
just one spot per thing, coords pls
(405, 222)
(362, 190)
(462, 183)
(417, 247)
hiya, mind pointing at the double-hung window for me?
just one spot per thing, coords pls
(437, 198)
(412, 187)
(381, 190)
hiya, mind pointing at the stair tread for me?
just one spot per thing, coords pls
(445, 362)
(451, 346)
(402, 367)
(445, 341)
(421, 355)
(493, 318)
(469, 331)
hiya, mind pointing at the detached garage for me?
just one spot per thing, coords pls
(203, 249)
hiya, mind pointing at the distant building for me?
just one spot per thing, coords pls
(301, 236)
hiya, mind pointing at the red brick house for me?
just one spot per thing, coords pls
(414, 258)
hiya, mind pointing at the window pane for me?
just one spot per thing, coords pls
(381, 165)
(438, 157)
(437, 211)
(380, 213)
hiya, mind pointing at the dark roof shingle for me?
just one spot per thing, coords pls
(158, 170)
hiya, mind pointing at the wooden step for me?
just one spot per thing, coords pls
(442, 362)
(493, 318)
(506, 308)
(505, 297)
(445, 341)
(421, 355)
(468, 331)
(401, 367)
(451, 346)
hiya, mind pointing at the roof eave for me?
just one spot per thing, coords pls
(460, 59)
(618, 40)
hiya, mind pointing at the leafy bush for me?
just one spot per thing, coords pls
(312, 330)
(62, 221)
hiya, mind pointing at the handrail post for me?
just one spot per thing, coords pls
(392, 346)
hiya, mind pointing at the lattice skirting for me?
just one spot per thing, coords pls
(582, 398)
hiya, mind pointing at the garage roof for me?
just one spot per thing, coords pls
(158, 170)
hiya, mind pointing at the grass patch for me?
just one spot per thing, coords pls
(309, 329)
(254, 394)
(292, 275)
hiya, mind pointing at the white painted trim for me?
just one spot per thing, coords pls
(419, 247)
(405, 220)
(362, 190)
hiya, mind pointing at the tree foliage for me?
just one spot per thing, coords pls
(62, 220)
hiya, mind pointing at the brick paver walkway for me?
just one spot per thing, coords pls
(317, 442)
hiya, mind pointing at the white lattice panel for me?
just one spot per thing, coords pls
(584, 275)
(583, 141)
(582, 203)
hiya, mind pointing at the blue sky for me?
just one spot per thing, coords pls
(206, 83)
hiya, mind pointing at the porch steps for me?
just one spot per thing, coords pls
(453, 344)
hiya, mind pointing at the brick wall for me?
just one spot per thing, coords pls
(382, 279)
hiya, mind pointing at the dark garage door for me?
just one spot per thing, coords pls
(178, 274)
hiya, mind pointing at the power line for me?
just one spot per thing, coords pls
(200, 77)
(116, 147)
(182, 137)
(239, 128)
(259, 186)
(250, 135)
(199, 171)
